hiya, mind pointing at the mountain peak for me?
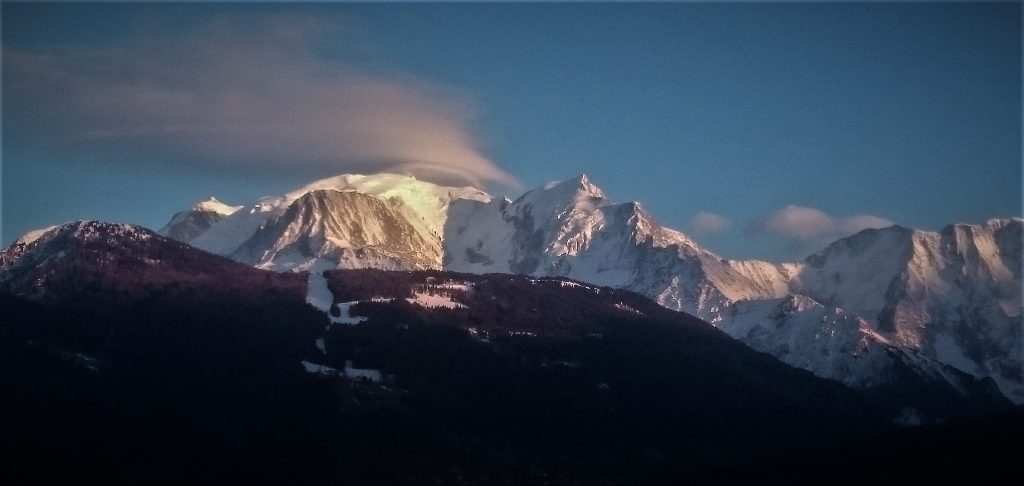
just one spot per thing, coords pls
(92, 230)
(582, 179)
(386, 185)
(82, 229)
(187, 225)
(327, 228)
(211, 204)
(579, 185)
(423, 204)
(425, 201)
(51, 241)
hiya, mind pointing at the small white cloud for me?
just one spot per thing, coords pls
(705, 223)
(803, 225)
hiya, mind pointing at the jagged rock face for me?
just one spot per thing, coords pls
(332, 229)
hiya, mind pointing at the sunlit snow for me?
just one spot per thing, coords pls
(434, 301)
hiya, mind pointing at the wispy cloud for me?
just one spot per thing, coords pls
(705, 223)
(804, 227)
(239, 93)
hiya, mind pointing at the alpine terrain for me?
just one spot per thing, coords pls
(143, 355)
(942, 306)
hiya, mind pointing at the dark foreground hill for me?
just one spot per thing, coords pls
(136, 359)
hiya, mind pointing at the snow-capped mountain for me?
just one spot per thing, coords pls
(186, 225)
(419, 205)
(344, 229)
(571, 228)
(954, 295)
(946, 298)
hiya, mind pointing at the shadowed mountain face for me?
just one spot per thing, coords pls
(96, 265)
(141, 357)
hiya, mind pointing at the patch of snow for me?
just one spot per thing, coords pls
(346, 317)
(33, 235)
(464, 286)
(434, 301)
(571, 284)
(318, 368)
(621, 306)
(317, 293)
(88, 361)
(215, 206)
(370, 374)
(319, 296)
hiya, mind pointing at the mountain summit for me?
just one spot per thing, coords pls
(326, 236)
(186, 225)
(340, 229)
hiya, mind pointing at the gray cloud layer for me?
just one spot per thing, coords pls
(705, 223)
(263, 94)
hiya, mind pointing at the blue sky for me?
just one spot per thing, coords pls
(781, 125)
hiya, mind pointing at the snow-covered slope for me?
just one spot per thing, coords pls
(425, 203)
(422, 205)
(333, 229)
(955, 295)
(952, 297)
(186, 225)
(572, 229)
(839, 345)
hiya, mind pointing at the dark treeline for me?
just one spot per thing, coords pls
(184, 378)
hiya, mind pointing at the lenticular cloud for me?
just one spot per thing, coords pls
(243, 92)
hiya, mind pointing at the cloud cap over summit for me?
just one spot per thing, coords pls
(250, 90)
